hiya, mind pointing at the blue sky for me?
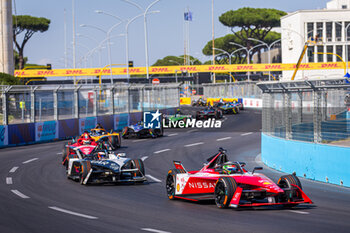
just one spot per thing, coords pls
(165, 29)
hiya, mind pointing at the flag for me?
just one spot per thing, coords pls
(188, 16)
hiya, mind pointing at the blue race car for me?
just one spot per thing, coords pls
(138, 130)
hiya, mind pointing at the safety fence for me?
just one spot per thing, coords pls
(313, 111)
(306, 129)
(249, 91)
(48, 112)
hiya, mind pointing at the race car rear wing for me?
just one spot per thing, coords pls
(178, 165)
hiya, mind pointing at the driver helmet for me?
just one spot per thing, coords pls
(229, 168)
(101, 155)
(86, 138)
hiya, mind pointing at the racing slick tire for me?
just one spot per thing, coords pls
(64, 155)
(125, 133)
(170, 182)
(115, 142)
(85, 167)
(138, 163)
(224, 189)
(285, 182)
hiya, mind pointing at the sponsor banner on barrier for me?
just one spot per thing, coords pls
(252, 103)
(85, 124)
(185, 101)
(174, 69)
(4, 135)
(45, 131)
(120, 121)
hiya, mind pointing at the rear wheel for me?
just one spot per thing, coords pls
(224, 189)
(171, 182)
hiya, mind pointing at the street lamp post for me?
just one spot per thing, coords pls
(99, 47)
(145, 12)
(268, 47)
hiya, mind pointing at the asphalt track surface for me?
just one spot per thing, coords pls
(36, 196)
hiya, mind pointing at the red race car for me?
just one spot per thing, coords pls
(231, 185)
(85, 143)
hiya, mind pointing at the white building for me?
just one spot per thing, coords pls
(329, 24)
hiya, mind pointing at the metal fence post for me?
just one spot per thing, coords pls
(32, 104)
(288, 114)
(55, 103)
(112, 101)
(76, 102)
(317, 116)
(300, 108)
(95, 105)
(324, 107)
(4, 107)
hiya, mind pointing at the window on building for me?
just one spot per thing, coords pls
(311, 54)
(320, 49)
(329, 31)
(348, 32)
(310, 30)
(339, 51)
(329, 56)
(338, 31)
(344, 7)
(319, 30)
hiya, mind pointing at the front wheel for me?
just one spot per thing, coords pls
(224, 189)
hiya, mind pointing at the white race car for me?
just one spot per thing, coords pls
(104, 167)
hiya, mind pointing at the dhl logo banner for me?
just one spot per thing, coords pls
(176, 69)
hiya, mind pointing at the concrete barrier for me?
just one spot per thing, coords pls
(326, 163)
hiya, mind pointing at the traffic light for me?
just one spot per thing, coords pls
(131, 63)
(48, 66)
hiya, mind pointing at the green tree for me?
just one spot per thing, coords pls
(28, 25)
(175, 61)
(240, 56)
(251, 23)
(7, 79)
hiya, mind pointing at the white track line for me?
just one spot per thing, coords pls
(223, 139)
(154, 230)
(298, 212)
(160, 151)
(59, 153)
(18, 193)
(9, 180)
(246, 134)
(153, 178)
(144, 158)
(173, 134)
(194, 144)
(193, 130)
(30, 160)
(140, 140)
(72, 213)
(13, 169)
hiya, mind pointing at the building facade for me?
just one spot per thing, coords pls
(330, 25)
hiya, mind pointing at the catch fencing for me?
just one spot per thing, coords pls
(312, 111)
(28, 104)
(232, 90)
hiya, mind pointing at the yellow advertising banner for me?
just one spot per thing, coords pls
(176, 69)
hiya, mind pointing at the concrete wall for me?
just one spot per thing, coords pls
(6, 43)
(319, 162)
